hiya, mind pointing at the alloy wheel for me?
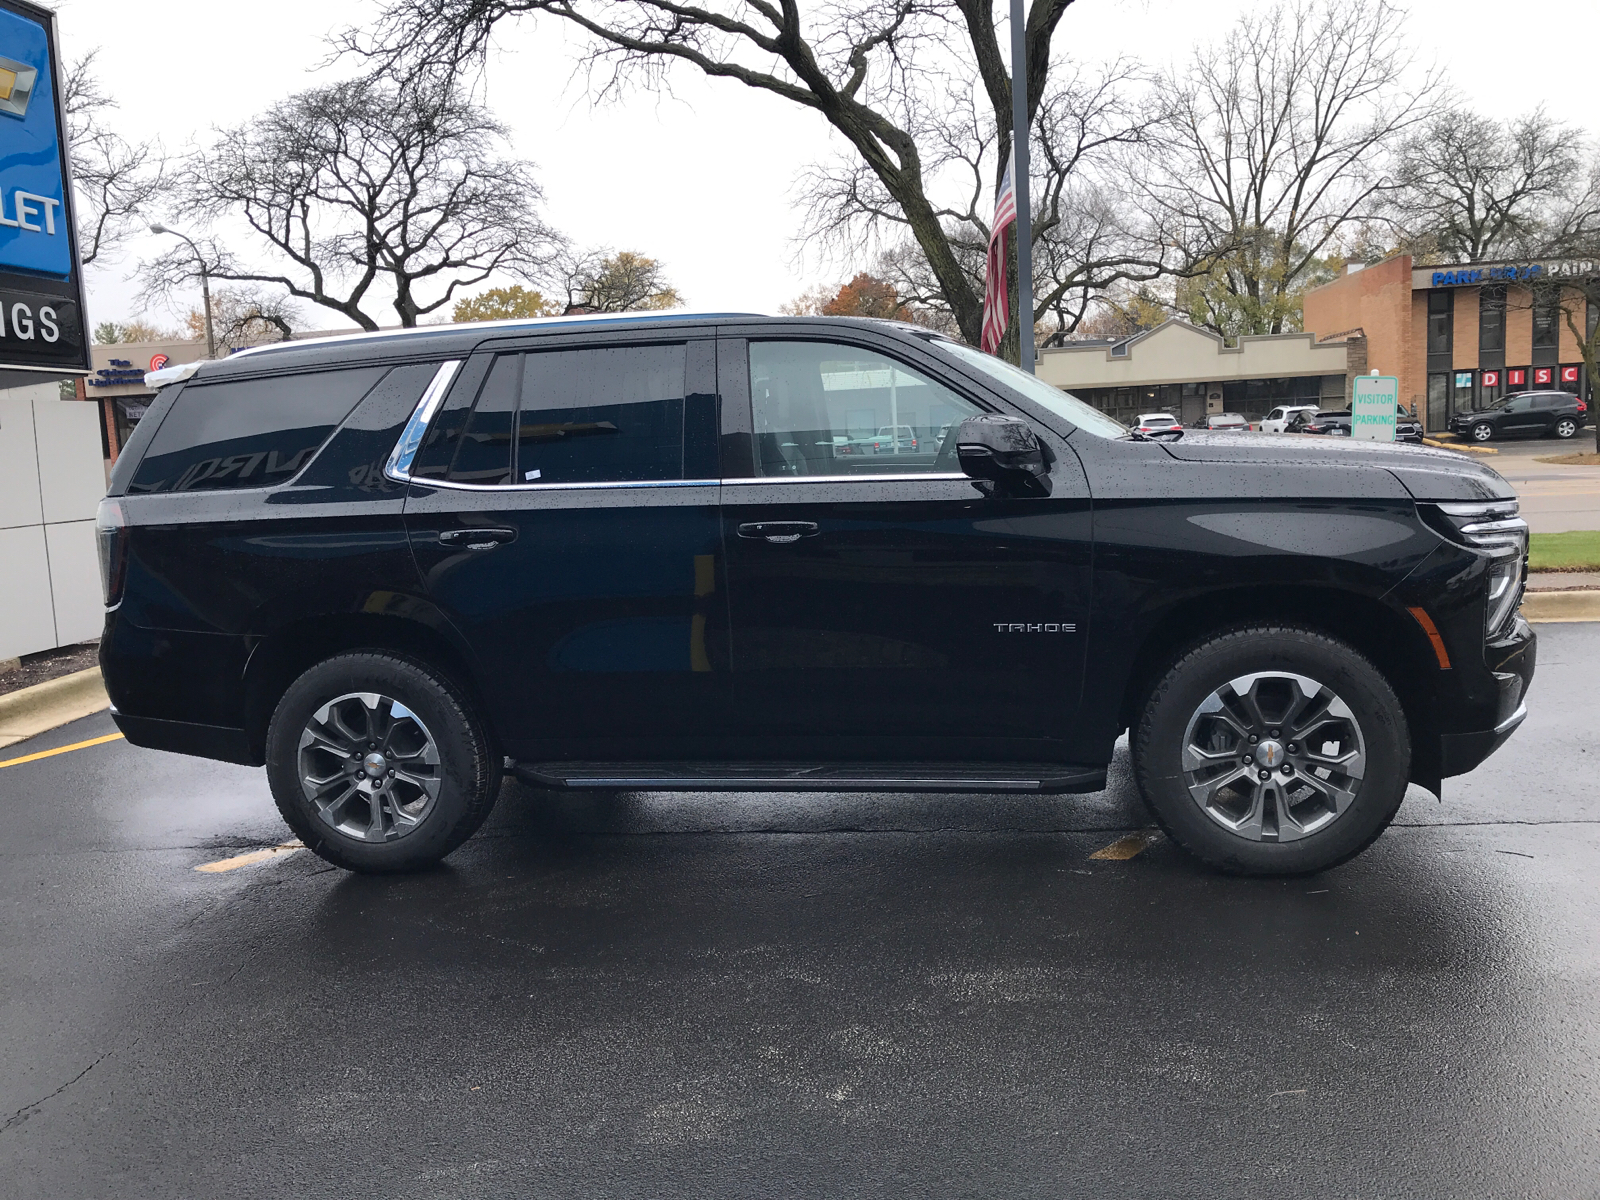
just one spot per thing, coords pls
(1482, 433)
(1566, 427)
(369, 766)
(1273, 757)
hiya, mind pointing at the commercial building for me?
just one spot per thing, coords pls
(116, 384)
(1187, 371)
(1461, 335)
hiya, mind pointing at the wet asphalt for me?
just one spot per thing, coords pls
(695, 995)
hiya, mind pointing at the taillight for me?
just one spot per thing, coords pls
(111, 539)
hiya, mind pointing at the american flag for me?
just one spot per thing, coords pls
(996, 304)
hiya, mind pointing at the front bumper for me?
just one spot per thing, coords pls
(1510, 659)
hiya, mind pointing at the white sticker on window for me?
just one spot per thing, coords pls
(530, 475)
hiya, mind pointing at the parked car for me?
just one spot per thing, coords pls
(1279, 419)
(1159, 424)
(1223, 423)
(1406, 426)
(621, 553)
(1523, 414)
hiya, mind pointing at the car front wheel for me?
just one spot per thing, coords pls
(1566, 427)
(378, 762)
(1482, 431)
(1272, 750)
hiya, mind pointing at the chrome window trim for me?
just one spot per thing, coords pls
(398, 468)
(563, 487)
(887, 476)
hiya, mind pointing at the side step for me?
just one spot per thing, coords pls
(1041, 778)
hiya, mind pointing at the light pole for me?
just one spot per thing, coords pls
(205, 284)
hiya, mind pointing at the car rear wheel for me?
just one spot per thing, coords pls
(1482, 431)
(378, 763)
(1566, 427)
(1272, 750)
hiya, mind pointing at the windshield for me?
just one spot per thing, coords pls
(1063, 404)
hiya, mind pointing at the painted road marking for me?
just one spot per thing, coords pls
(12, 762)
(254, 856)
(1125, 848)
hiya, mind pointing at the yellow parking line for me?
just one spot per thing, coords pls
(254, 856)
(12, 762)
(1126, 847)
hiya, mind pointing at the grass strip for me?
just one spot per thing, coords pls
(1577, 551)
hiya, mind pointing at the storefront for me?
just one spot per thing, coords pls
(1461, 336)
(1189, 372)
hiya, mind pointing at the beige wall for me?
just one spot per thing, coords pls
(1519, 327)
(1177, 352)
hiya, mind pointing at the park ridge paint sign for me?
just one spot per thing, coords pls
(1374, 404)
(41, 300)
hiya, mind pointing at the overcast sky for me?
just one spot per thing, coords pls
(705, 182)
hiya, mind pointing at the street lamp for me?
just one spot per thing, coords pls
(205, 284)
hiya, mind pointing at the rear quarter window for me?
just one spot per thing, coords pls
(248, 433)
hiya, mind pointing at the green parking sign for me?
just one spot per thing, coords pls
(1374, 402)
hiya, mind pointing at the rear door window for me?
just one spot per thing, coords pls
(248, 433)
(607, 414)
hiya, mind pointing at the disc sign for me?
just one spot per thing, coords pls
(1373, 406)
(41, 298)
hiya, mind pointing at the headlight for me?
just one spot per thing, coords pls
(1495, 528)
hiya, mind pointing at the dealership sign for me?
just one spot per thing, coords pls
(41, 301)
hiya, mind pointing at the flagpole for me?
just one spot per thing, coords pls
(1019, 141)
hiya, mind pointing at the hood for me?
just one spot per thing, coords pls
(1426, 473)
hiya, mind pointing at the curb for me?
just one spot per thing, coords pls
(1463, 447)
(1562, 606)
(33, 710)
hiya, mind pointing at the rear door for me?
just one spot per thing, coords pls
(881, 608)
(1523, 416)
(563, 512)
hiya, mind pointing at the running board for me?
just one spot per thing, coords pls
(1040, 778)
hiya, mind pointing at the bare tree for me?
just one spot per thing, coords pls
(114, 179)
(1278, 143)
(245, 316)
(364, 191)
(1088, 233)
(870, 68)
(622, 281)
(1470, 188)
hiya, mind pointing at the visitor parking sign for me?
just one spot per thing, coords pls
(1374, 404)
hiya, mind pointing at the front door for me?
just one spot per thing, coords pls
(563, 513)
(880, 607)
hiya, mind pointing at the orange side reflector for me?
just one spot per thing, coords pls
(1432, 630)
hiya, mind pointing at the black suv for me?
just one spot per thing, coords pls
(1337, 424)
(1523, 414)
(642, 554)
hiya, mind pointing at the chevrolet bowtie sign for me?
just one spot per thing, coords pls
(41, 302)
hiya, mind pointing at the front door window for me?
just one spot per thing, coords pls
(821, 408)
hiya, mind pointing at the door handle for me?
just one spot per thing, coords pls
(477, 539)
(779, 533)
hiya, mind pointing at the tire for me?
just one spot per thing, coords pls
(428, 778)
(1320, 815)
(1482, 431)
(1566, 428)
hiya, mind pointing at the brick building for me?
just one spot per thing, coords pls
(1459, 336)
